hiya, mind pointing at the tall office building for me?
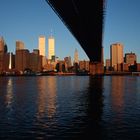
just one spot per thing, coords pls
(3, 54)
(19, 45)
(35, 61)
(22, 60)
(3, 46)
(76, 56)
(51, 47)
(42, 49)
(41, 45)
(116, 55)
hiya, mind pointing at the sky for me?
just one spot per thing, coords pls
(26, 20)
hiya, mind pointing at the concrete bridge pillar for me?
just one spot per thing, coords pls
(96, 68)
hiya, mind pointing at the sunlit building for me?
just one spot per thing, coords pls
(116, 55)
(51, 47)
(42, 45)
(22, 60)
(35, 61)
(42, 49)
(19, 45)
(3, 46)
(3, 54)
(76, 56)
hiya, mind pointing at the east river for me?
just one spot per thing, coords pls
(70, 107)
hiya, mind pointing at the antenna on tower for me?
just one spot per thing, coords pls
(51, 32)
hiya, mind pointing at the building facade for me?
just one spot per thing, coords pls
(107, 64)
(3, 55)
(42, 49)
(116, 55)
(19, 45)
(76, 56)
(35, 61)
(22, 60)
(51, 47)
(130, 58)
(41, 45)
(84, 65)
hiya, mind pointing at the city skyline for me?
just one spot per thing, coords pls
(39, 18)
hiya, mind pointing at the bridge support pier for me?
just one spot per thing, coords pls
(96, 68)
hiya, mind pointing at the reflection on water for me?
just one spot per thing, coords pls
(46, 97)
(121, 107)
(94, 100)
(70, 107)
(9, 95)
(117, 93)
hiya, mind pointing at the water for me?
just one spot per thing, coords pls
(70, 107)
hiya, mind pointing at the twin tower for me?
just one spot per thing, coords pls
(42, 48)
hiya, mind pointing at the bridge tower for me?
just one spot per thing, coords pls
(97, 68)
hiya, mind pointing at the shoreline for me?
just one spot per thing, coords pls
(76, 74)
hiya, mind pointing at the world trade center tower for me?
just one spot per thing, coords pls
(42, 49)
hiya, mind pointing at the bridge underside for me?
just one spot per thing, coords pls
(84, 19)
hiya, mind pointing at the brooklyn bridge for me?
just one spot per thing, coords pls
(84, 19)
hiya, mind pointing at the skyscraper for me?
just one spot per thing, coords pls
(41, 45)
(19, 45)
(76, 56)
(51, 47)
(3, 54)
(116, 55)
(3, 46)
(42, 49)
(22, 60)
